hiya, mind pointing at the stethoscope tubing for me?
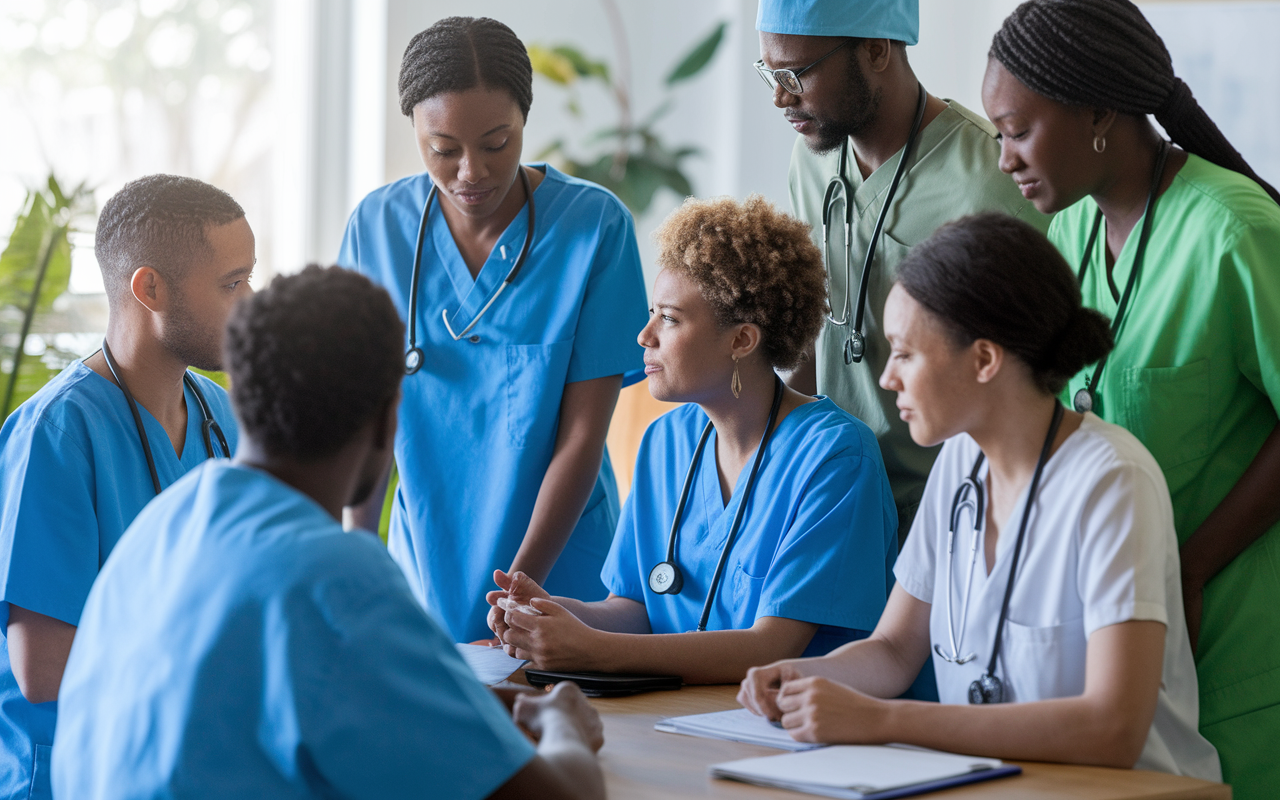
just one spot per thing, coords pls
(1144, 236)
(208, 425)
(414, 356)
(718, 576)
(839, 185)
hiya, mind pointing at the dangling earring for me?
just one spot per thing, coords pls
(735, 384)
(1099, 144)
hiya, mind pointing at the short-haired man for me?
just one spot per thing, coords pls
(82, 456)
(241, 644)
(840, 74)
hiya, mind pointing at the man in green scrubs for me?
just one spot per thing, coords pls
(857, 90)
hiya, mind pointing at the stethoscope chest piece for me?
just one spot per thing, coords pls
(413, 359)
(854, 348)
(665, 578)
(986, 690)
(1083, 401)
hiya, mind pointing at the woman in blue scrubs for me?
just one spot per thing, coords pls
(523, 291)
(787, 493)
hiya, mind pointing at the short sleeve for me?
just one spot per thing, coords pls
(831, 567)
(349, 252)
(1249, 270)
(390, 709)
(1126, 534)
(614, 305)
(917, 564)
(48, 524)
(621, 571)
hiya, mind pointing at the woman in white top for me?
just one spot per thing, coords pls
(1063, 637)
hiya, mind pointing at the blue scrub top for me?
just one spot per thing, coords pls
(478, 422)
(817, 542)
(239, 643)
(74, 477)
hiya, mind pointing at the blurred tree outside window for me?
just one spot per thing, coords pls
(99, 93)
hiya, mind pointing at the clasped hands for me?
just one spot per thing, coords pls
(532, 626)
(813, 708)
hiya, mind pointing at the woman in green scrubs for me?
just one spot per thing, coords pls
(1180, 247)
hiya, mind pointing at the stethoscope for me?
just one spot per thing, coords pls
(209, 427)
(1083, 399)
(969, 495)
(665, 577)
(840, 190)
(414, 357)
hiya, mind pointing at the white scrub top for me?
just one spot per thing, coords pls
(239, 643)
(817, 542)
(73, 477)
(1100, 549)
(478, 421)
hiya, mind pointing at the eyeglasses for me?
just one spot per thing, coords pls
(787, 78)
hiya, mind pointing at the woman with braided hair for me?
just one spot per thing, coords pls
(522, 292)
(1187, 267)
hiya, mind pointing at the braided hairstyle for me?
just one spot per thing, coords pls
(461, 53)
(1104, 53)
(991, 276)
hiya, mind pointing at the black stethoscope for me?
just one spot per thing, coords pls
(665, 577)
(209, 427)
(840, 190)
(969, 495)
(414, 357)
(1083, 399)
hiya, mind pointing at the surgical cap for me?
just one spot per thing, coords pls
(867, 19)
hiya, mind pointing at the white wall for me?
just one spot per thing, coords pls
(727, 110)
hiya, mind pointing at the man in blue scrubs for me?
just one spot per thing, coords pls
(239, 643)
(175, 254)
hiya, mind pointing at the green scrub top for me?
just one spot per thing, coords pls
(953, 173)
(1194, 376)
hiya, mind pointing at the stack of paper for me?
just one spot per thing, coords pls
(863, 771)
(738, 725)
(491, 665)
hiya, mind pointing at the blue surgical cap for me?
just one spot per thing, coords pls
(867, 19)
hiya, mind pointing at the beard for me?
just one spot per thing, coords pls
(858, 111)
(184, 337)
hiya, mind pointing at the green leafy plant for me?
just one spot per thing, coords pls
(629, 158)
(35, 268)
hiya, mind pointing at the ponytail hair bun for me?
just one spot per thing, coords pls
(990, 276)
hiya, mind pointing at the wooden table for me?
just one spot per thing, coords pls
(640, 762)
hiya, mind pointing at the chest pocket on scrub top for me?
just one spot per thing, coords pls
(1042, 663)
(1167, 408)
(535, 384)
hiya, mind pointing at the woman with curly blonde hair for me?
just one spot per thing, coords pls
(760, 523)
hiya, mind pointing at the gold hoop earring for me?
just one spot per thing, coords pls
(1099, 144)
(735, 384)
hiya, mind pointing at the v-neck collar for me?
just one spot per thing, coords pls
(1009, 527)
(157, 436)
(717, 510)
(867, 192)
(473, 293)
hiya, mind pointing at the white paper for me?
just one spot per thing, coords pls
(738, 725)
(852, 770)
(491, 665)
